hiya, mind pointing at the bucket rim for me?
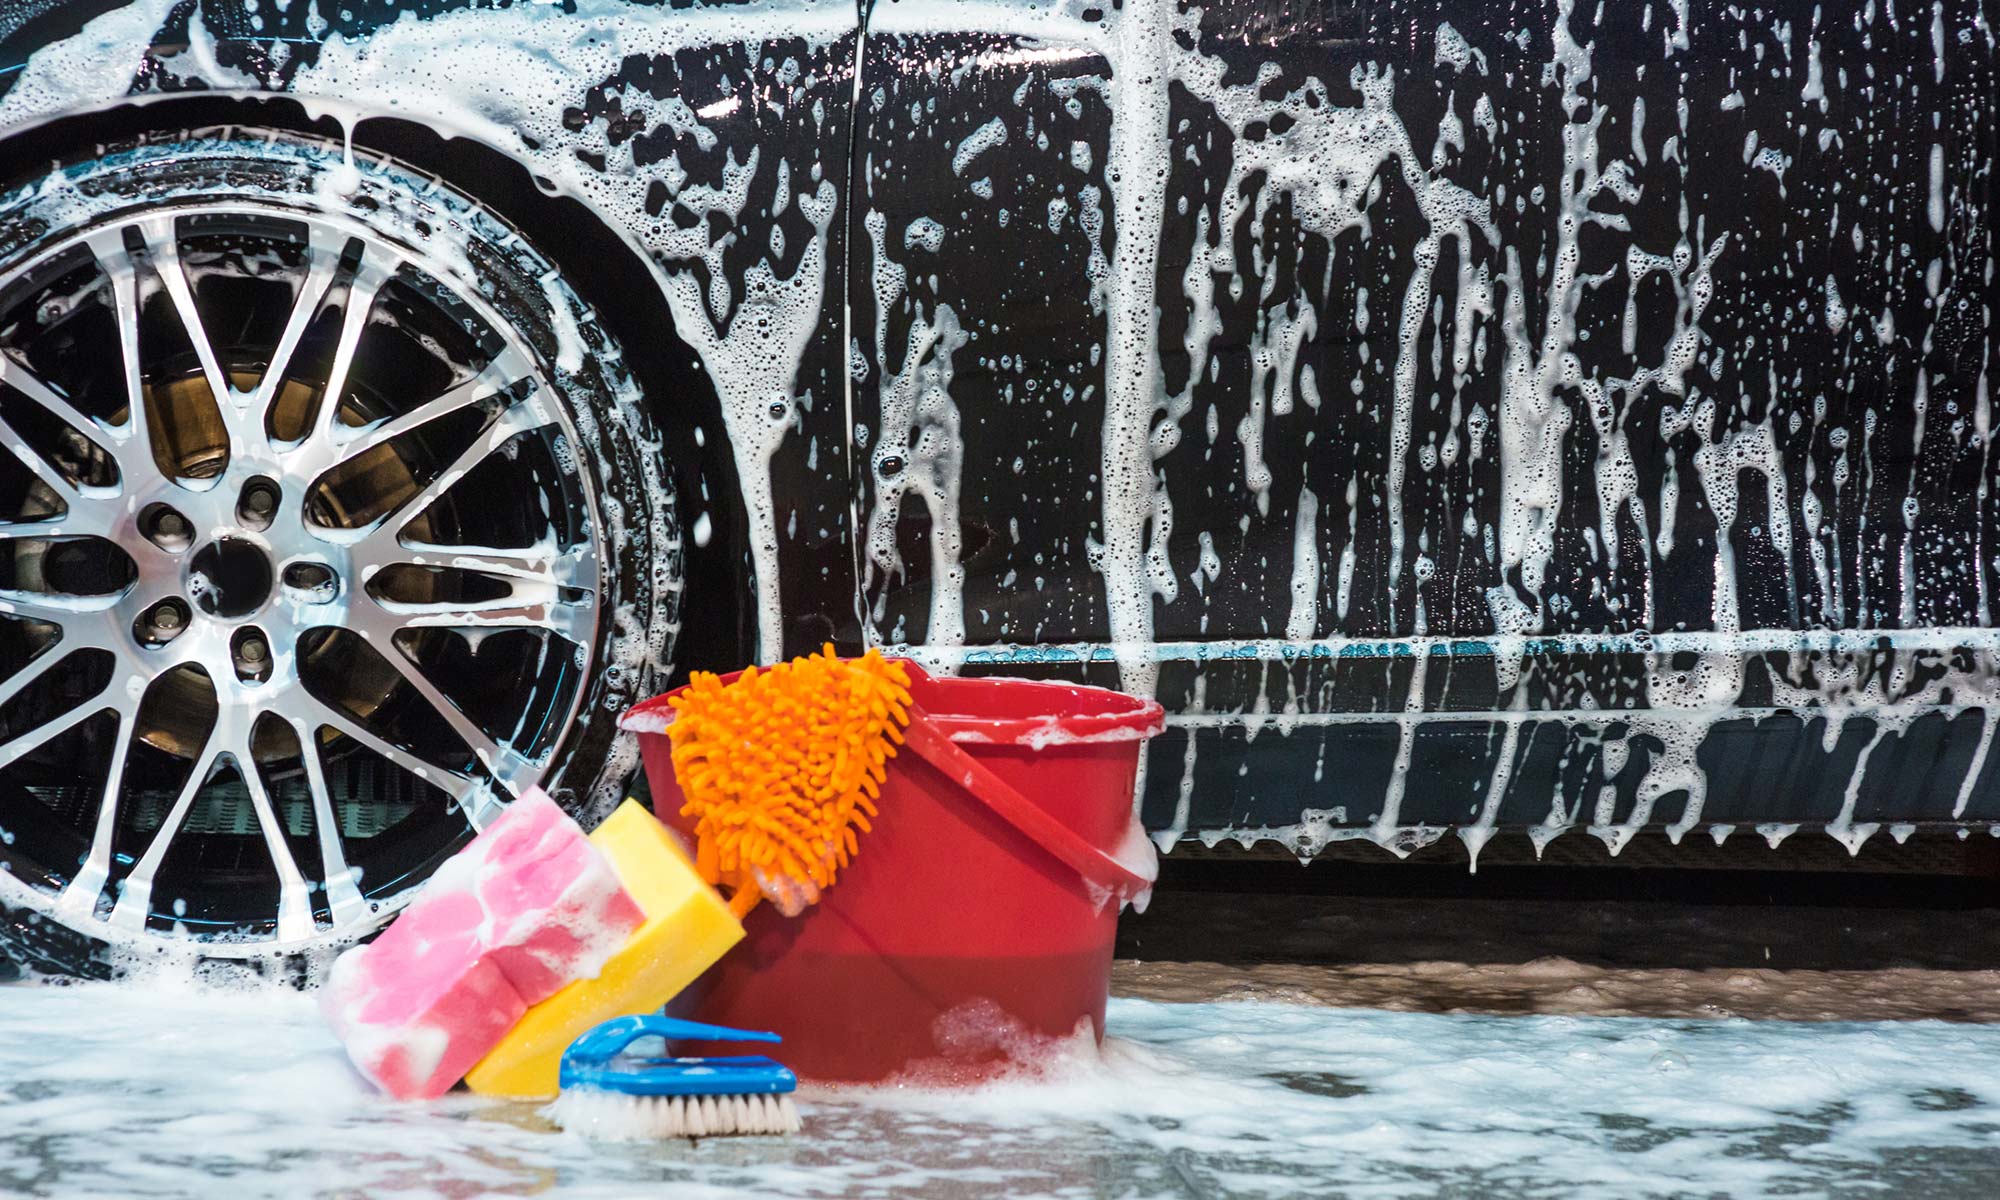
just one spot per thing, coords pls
(1135, 718)
(1138, 718)
(1124, 872)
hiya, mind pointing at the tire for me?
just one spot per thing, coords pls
(391, 677)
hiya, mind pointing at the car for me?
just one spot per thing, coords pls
(1463, 417)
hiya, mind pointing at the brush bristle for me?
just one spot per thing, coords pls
(616, 1117)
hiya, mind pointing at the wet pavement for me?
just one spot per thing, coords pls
(170, 1092)
(1483, 1040)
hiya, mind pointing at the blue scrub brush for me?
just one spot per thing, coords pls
(609, 1094)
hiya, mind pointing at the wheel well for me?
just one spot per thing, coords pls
(718, 622)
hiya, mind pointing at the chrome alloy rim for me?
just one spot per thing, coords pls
(271, 574)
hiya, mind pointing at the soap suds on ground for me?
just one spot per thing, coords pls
(165, 1091)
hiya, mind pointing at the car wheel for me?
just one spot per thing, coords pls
(330, 523)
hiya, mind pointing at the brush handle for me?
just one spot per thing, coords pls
(607, 1041)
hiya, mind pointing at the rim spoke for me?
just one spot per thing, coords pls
(70, 494)
(55, 607)
(23, 744)
(503, 763)
(135, 455)
(344, 898)
(535, 578)
(481, 808)
(54, 653)
(295, 919)
(87, 885)
(135, 894)
(15, 376)
(506, 613)
(320, 713)
(164, 251)
(532, 565)
(379, 540)
(323, 251)
(361, 290)
(507, 371)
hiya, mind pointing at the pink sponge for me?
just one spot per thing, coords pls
(527, 908)
(416, 1027)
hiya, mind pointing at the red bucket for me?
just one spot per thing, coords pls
(976, 922)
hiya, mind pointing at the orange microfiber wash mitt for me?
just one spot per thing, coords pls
(781, 767)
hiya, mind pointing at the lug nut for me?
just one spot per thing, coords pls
(169, 529)
(313, 583)
(253, 656)
(162, 623)
(258, 503)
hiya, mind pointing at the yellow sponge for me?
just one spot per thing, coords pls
(688, 927)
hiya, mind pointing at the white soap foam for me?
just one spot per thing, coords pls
(161, 1092)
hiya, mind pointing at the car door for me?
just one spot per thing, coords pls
(1462, 415)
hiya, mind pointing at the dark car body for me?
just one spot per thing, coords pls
(1464, 416)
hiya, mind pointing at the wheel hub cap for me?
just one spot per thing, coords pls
(230, 578)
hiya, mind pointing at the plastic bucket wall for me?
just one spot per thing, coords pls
(954, 942)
